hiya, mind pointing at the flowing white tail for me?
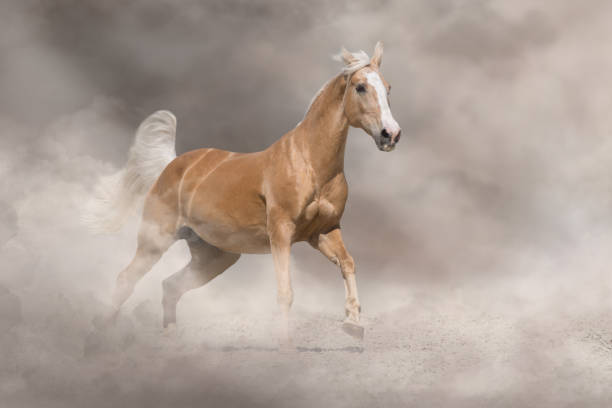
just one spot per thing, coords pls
(116, 196)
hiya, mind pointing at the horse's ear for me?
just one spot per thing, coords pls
(346, 57)
(377, 57)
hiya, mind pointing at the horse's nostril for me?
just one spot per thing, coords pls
(398, 136)
(385, 134)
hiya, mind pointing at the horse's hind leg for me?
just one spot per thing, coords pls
(153, 241)
(207, 262)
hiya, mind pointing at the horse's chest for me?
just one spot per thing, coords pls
(320, 209)
(314, 207)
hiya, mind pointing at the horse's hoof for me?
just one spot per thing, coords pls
(169, 328)
(168, 323)
(353, 329)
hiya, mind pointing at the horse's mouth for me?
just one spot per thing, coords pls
(387, 147)
(384, 145)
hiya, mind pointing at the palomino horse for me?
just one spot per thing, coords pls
(226, 204)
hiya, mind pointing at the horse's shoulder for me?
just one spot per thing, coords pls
(336, 186)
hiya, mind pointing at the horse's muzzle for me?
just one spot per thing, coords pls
(387, 140)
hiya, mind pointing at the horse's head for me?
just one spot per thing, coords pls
(366, 99)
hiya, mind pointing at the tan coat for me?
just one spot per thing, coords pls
(228, 203)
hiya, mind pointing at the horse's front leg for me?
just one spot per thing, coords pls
(280, 231)
(332, 246)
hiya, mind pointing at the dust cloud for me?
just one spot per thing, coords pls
(482, 242)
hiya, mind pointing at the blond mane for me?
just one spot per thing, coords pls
(353, 61)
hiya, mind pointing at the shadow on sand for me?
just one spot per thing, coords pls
(347, 349)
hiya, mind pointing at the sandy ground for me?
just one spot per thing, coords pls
(501, 326)
(428, 353)
(482, 242)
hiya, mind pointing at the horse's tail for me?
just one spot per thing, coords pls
(115, 196)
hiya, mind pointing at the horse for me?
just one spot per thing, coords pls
(225, 204)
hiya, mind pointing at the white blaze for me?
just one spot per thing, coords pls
(386, 118)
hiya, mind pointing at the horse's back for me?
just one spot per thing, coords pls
(188, 167)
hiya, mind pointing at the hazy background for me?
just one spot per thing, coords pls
(482, 242)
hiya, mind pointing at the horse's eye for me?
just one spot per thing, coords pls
(360, 88)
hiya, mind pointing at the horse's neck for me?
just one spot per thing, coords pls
(324, 129)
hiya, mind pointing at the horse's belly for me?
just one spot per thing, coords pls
(250, 240)
(228, 212)
(239, 232)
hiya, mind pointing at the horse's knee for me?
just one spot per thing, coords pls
(284, 298)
